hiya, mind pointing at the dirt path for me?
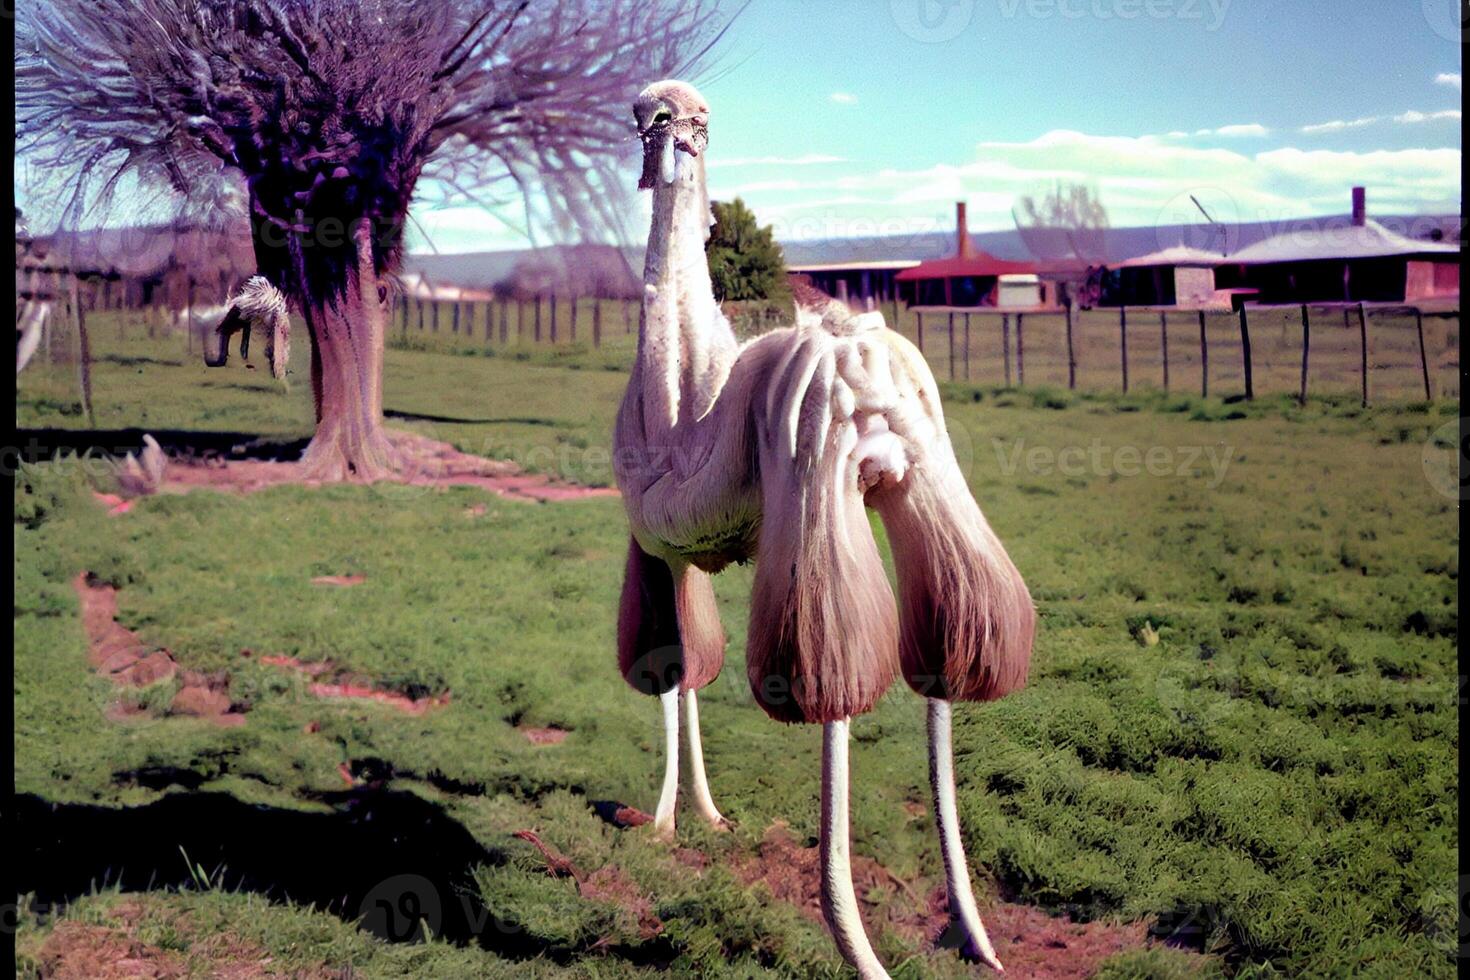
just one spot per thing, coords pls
(427, 463)
(116, 652)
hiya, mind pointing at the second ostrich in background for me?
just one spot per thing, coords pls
(771, 451)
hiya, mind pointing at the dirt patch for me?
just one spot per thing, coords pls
(620, 815)
(425, 463)
(792, 872)
(117, 653)
(343, 581)
(336, 684)
(544, 736)
(85, 951)
(607, 884)
(1031, 943)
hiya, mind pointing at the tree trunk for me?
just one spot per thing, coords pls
(347, 334)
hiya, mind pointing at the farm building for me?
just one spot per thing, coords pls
(1178, 276)
(1362, 261)
(970, 277)
(857, 279)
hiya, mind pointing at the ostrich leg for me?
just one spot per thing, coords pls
(663, 817)
(839, 900)
(703, 802)
(956, 871)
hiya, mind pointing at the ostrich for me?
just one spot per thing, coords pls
(771, 450)
(257, 304)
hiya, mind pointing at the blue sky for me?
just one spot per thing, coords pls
(844, 117)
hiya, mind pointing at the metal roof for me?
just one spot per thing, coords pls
(844, 266)
(1327, 241)
(1177, 255)
(979, 264)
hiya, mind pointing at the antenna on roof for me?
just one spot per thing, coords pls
(1215, 226)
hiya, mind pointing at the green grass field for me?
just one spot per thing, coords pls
(1241, 725)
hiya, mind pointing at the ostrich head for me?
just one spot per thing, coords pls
(672, 118)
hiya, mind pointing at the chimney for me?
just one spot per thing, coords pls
(1360, 207)
(964, 248)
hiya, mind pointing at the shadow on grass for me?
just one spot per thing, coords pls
(388, 860)
(37, 445)
(391, 413)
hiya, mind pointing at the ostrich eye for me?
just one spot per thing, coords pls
(662, 116)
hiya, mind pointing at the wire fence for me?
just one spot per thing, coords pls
(1377, 352)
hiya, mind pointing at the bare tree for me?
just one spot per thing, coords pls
(1065, 230)
(321, 116)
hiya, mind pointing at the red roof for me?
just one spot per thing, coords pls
(978, 264)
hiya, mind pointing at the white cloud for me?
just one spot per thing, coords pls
(805, 160)
(1450, 78)
(1408, 118)
(1238, 129)
(1339, 124)
(1141, 180)
(844, 98)
(1414, 116)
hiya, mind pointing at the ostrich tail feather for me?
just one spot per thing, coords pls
(967, 618)
(822, 643)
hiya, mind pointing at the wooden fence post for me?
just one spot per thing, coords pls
(1204, 359)
(951, 346)
(553, 317)
(1301, 397)
(573, 331)
(1021, 350)
(189, 324)
(1005, 345)
(1071, 352)
(1164, 342)
(1123, 343)
(537, 333)
(967, 347)
(1423, 354)
(627, 317)
(504, 321)
(520, 320)
(1245, 353)
(596, 322)
(434, 318)
(1363, 350)
(919, 333)
(84, 354)
(489, 320)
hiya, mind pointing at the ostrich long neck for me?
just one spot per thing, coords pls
(685, 345)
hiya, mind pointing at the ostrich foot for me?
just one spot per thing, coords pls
(839, 899)
(663, 817)
(962, 908)
(704, 803)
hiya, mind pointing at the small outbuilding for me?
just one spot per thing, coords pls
(1362, 261)
(969, 278)
(1177, 276)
